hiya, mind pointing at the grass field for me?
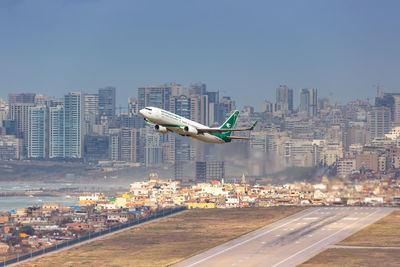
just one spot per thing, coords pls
(169, 241)
(344, 257)
(383, 233)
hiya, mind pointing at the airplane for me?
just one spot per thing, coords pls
(165, 121)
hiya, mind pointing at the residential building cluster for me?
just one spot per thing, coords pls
(347, 139)
(38, 227)
(87, 127)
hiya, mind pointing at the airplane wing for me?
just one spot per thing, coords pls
(217, 130)
(239, 138)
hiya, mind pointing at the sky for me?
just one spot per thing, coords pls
(244, 49)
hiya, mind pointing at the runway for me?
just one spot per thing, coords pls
(292, 240)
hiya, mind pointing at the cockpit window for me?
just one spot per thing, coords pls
(148, 108)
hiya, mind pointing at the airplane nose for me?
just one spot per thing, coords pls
(141, 112)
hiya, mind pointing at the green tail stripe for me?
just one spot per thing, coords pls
(231, 121)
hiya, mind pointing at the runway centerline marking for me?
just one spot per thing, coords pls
(301, 251)
(250, 239)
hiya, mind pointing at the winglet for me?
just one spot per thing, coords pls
(254, 125)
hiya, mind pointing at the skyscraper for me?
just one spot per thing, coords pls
(73, 125)
(38, 132)
(180, 105)
(107, 102)
(153, 148)
(392, 101)
(308, 101)
(284, 98)
(197, 88)
(213, 107)
(18, 111)
(91, 110)
(396, 109)
(155, 96)
(226, 107)
(379, 121)
(21, 98)
(56, 132)
(133, 107)
(3, 111)
(199, 108)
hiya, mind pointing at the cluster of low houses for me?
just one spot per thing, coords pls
(42, 226)
(27, 229)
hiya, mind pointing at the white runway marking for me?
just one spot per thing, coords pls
(250, 239)
(316, 243)
(293, 247)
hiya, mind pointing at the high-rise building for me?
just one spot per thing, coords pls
(180, 146)
(19, 105)
(201, 171)
(213, 108)
(392, 101)
(226, 107)
(91, 108)
(180, 105)
(10, 147)
(38, 132)
(215, 170)
(178, 170)
(96, 148)
(268, 107)
(309, 101)
(3, 111)
(396, 109)
(106, 104)
(284, 98)
(197, 88)
(133, 107)
(153, 148)
(73, 125)
(115, 144)
(199, 108)
(155, 96)
(21, 98)
(129, 143)
(56, 132)
(379, 121)
(207, 171)
(178, 90)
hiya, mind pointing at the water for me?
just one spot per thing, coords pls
(17, 202)
(8, 203)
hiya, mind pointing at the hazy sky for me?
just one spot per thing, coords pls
(242, 48)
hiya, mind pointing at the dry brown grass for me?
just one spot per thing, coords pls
(344, 257)
(383, 233)
(169, 241)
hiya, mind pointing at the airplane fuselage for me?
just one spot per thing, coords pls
(178, 124)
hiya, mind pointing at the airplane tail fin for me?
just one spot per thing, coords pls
(231, 121)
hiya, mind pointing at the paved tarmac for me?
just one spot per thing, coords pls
(292, 240)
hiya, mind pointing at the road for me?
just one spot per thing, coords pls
(292, 240)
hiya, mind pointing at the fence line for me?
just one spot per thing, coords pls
(91, 236)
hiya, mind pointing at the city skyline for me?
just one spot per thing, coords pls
(338, 47)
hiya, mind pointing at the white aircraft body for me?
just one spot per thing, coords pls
(167, 121)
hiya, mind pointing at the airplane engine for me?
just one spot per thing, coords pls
(161, 129)
(190, 130)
